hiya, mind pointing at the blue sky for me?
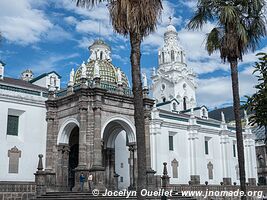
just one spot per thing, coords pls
(46, 35)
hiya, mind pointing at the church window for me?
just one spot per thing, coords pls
(174, 106)
(163, 86)
(204, 114)
(174, 165)
(101, 55)
(206, 147)
(121, 165)
(172, 55)
(234, 150)
(171, 142)
(121, 179)
(14, 154)
(182, 57)
(184, 103)
(162, 57)
(12, 125)
(164, 99)
(210, 170)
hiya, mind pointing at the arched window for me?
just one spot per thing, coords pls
(164, 99)
(182, 57)
(174, 106)
(172, 55)
(184, 102)
(203, 113)
(101, 55)
(162, 57)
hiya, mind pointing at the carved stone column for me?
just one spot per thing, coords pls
(83, 108)
(110, 168)
(62, 167)
(132, 166)
(97, 138)
(97, 169)
(51, 125)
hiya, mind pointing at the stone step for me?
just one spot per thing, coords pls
(89, 196)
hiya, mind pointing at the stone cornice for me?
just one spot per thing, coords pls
(21, 100)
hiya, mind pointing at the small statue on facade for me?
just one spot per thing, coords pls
(83, 70)
(145, 84)
(72, 76)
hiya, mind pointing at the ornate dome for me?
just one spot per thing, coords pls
(108, 73)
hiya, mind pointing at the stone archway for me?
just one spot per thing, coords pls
(118, 152)
(68, 154)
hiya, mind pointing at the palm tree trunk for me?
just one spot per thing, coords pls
(135, 40)
(239, 135)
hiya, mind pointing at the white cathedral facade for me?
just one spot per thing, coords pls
(196, 148)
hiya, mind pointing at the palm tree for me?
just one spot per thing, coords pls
(136, 19)
(239, 26)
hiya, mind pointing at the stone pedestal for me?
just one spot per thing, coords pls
(195, 179)
(151, 180)
(98, 173)
(252, 181)
(227, 181)
(40, 180)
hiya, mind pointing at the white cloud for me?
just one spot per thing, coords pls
(85, 42)
(20, 23)
(51, 62)
(215, 92)
(58, 34)
(119, 58)
(189, 3)
(71, 20)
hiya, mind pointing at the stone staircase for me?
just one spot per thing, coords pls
(90, 196)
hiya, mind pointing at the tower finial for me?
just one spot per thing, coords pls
(99, 29)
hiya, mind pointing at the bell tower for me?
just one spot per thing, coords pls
(173, 80)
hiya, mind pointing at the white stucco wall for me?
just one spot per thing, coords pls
(31, 139)
(161, 128)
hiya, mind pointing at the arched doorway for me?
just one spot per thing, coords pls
(68, 154)
(73, 156)
(119, 157)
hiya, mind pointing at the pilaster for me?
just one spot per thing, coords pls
(193, 142)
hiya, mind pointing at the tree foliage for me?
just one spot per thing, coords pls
(257, 103)
(240, 24)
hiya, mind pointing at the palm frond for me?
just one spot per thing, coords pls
(136, 16)
(202, 15)
(87, 3)
(214, 40)
(228, 14)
